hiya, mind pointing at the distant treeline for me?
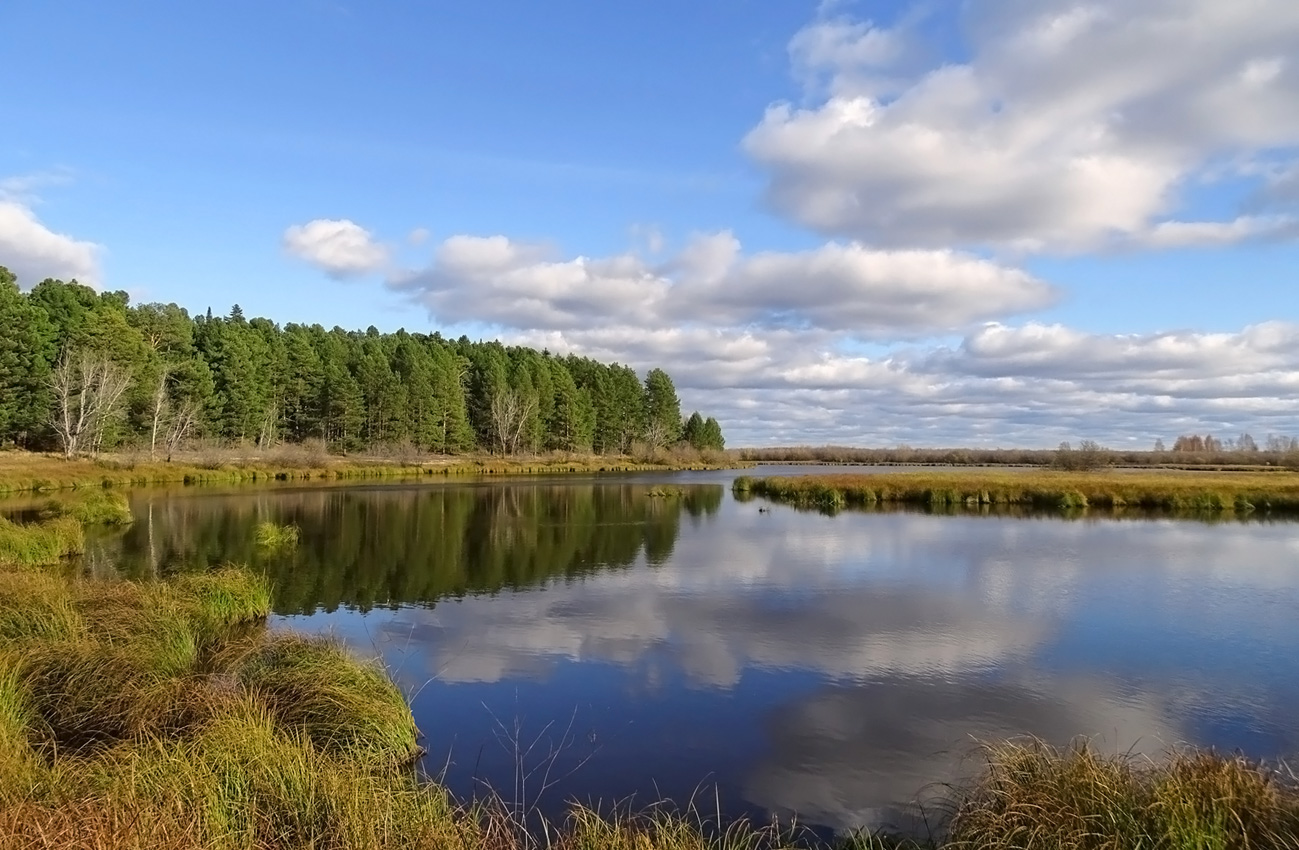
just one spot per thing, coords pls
(1188, 450)
(84, 371)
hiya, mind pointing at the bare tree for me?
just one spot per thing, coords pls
(510, 412)
(657, 433)
(88, 389)
(268, 432)
(159, 408)
(184, 420)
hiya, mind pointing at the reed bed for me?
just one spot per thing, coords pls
(1175, 491)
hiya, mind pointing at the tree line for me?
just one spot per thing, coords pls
(85, 371)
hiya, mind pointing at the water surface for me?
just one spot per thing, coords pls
(649, 637)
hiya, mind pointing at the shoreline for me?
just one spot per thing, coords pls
(32, 472)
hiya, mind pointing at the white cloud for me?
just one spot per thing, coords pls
(1036, 143)
(865, 293)
(827, 345)
(33, 252)
(1180, 234)
(1032, 385)
(340, 247)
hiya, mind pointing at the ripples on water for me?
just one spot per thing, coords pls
(655, 638)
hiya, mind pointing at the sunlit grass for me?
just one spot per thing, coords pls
(40, 543)
(93, 506)
(1177, 491)
(1035, 796)
(31, 471)
(269, 535)
(341, 705)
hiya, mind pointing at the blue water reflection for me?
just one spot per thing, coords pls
(781, 662)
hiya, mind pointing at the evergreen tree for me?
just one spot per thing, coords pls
(26, 340)
(662, 409)
(693, 432)
(713, 435)
(249, 380)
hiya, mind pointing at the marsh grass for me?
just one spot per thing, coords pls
(1036, 796)
(343, 706)
(165, 714)
(93, 507)
(40, 544)
(1199, 492)
(269, 535)
(35, 472)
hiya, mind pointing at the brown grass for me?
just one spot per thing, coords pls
(31, 471)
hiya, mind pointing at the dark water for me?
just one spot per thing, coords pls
(589, 639)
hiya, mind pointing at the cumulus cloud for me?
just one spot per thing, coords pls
(828, 345)
(340, 247)
(33, 251)
(1034, 143)
(870, 294)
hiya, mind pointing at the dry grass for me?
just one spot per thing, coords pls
(1035, 796)
(31, 472)
(1180, 491)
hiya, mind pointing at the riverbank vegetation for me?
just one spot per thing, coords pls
(22, 471)
(1166, 490)
(87, 372)
(1032, 796)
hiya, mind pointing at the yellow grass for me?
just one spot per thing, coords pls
(31, 471)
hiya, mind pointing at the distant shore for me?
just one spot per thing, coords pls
(22, 471)
(974, 487)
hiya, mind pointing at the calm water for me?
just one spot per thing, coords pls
(585, 638)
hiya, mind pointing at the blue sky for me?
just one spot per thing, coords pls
(994, 223)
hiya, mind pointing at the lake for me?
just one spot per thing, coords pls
(647, 637)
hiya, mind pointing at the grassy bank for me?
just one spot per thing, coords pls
(60, 533)
(29, 471)
(165, 714)
(1177, 491)
(1035, 797)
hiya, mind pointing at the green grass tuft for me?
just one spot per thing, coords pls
(219, 601)
(343, 705)
(40, 544)
(272, 536)
(94, 507)
(1035, 796)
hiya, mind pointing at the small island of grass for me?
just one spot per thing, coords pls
(1240, 492)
